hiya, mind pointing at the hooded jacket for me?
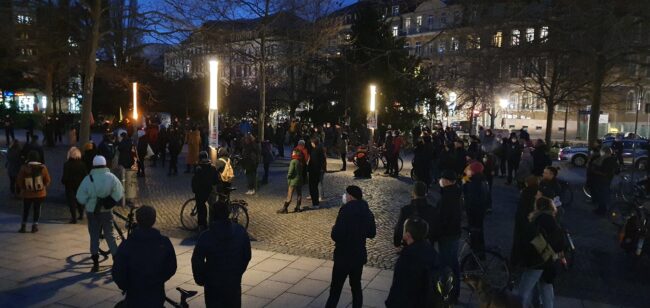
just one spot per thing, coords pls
(104, 184)
(413, 276)
(144, 262)
(354, 224)
(32, 169)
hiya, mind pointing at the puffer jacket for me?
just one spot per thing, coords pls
(104, 184)
(30, 170)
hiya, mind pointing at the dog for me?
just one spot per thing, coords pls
(490, 297)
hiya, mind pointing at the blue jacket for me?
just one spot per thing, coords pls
(415, 270)
(144, 262)
(104, 184)
(354, 224)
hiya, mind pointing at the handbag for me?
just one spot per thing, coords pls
(103, 202)
(542, 247)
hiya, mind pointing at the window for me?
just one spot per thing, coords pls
(395, 10)
(418, 21)
(514, 101)
(418, 48)
(629, 102)
(26, 52)
(348, 37)
(430, 22)
(442, 46)
(497, 39)
(514, 38)
(473, 42)
(543, 33)
(454, 44)
(24, 19)
(443, 19)
(526, 101)
(395, 30)
(24, 36)
(530, 35)
(407, 23)
(539, 103)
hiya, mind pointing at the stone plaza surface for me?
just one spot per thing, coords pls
(602, 272)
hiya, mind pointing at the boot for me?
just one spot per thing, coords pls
(297, 209)
(34, 228)
(95, 267)
(22, 228)
(284, 208)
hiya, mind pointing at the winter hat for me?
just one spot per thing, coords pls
(476, 167)
(99, 161)
(449, 175)
(355, 192)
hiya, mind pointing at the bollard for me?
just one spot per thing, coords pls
(130, 184)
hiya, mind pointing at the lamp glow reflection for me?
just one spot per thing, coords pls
(373, 94)
(503, 103)
(214, 73)
(135, 100)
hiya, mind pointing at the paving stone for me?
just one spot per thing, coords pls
(290, 300)
(344, 301)
(321, 273)
(269, 289)
(380, 283)
(285, 257)
(374, 298)
(306, 264)
(309, 287)
(289, 275)
(271, 265)
(254, 277)
(250, 301)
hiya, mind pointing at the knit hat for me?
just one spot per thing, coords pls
(355, 192)
(99, 161)
(476, 167)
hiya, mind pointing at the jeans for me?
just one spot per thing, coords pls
(265, 179)
(448, 248)
(141, 166)
(251, 176)
(314, 179)
(27, 204)
(76, 209)
(344, 161)
(202, 210)
(512, 169)
(530, 279)
(339, 273)
(98, 222)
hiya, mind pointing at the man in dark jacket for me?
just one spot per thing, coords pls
(144, 262)
(220, 258)
(142, 149)
(354, 224)
(415, 268)
(418, 208)
(540, 158)
(450, 230)
(125, 159)
(33, 146)
(513, 156)
(316, 168)
(204, 180)
(460, 157)
(107, 149)
(175, 142)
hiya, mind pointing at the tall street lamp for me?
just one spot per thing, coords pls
(213, 115)
(135, 101)
(372, 116)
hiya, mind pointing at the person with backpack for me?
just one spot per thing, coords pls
(476, 196)
(225, 170)
(354, 224)
(100, 191)
(144, 262)
(419, 207)
(295, 181)
(74, 171)
(251, 159)
(33, 179)
(416, 268)
(450, 218)
(107, 149)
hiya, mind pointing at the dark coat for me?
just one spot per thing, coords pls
(251, 155)
(107, 149)
(424, 210)
(88, 157)
(450, 212)
(144, 262)
(476, 194)
(522, 224)
(540, 160)
(219, 260)
(459, 160)
(545, 224)
(354, 224)
(513, 152)
(14, 161)
(316, 160)
(204, 179)
(74, 171)
(412, 278)
(175, 143)
(550, 189)
(126, 158)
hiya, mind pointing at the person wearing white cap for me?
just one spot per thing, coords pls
(99, 192)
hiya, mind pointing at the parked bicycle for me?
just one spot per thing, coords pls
(238, 211)
(487, 264)
(129, 225)
(375, 155)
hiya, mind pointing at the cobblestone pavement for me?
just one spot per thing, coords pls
(602, 272)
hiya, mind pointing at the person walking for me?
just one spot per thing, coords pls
(204, 180)
(267, 158)
(125, 147)
(419, 207)
(74, 171)
(450, 218)
(539, 265)
(280, 132)
(144, 262)
(13, 164)
(98, 191)
(107, 149)
(251, 159)
(220, 258)
(316, 167)
(605, 167)
(354, 224)
(8, 124)
(526, 206)
(143, 151)
(476, 196)
(175, 144)
(33, 180)
(415, 268)
(295, 180)
(163, 140)
(193, 140)
(342, 146)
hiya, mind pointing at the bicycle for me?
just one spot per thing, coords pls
(129, 223)
(238, 211)
(487, 264)
(185, 294)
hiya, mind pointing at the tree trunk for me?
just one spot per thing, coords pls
(49, 89)
(596, 97)
(550, 110)
(89, 76)
(471, 120)
(566, 122)
(262, 113)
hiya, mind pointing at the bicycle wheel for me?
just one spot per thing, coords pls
(566, 194)
(189, 215)
(586, 191)
(413, 176)
(626, 190)
(489, 266)
(239, 213)
(104, 250)
(400, 163)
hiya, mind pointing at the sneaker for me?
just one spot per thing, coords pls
(308, 197)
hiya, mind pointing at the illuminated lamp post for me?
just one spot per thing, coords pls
(135, 102)
(372, 116)
(213, 115)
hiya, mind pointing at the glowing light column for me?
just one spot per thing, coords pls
(372, 116)
(213, 105)
(135, 101)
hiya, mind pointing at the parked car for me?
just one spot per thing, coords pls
(578, 156)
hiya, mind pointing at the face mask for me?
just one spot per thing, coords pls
(344, 198)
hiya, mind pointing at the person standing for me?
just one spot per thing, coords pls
(280, 132)
(251, 159)
(144, 262)
(33, 179)
(30, 130)
(100, 183)
(422, 156)
(125, 147)
(421, 208)
(526, 206)
(513, 156)
(163, 140)
(204, 181)
(175, 145)
(295, 180)
(354, 224)
(617, 149)
(89, 153)
(605, 167)
(476, 196)
(267, 158)
(220, 258)
(450, 218)
(193, 140)
(74, 171)
(143, 149)
(33, 146)
(316, 168)
(342, 145)
(9, 129)
(13, 164)
(107, 149)
(541, 160)
(415, 268)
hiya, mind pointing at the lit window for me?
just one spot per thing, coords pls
(630, 101)
(497, 39)
(395, 10)
(24, 19)
(395, 30)
(348, 37)
(443, 18)
(407, 23)
(454, 43)
(418, 21)
(530, 34)
(543, 32)
(525, 101)
(418, 48)
(514, 38)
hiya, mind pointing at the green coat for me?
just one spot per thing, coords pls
(294, 176)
